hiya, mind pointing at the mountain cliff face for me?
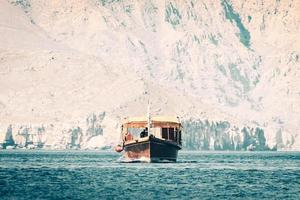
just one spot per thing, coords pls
(71, 70)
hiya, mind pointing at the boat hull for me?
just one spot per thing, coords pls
(152, 150)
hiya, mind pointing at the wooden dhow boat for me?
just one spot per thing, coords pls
(151, 139)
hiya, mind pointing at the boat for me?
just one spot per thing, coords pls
(151, 139)
(29, 138)
(8, 142)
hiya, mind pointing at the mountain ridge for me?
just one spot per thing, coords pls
(228, 60)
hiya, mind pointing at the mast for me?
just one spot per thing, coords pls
(149, 119)
(147, 93)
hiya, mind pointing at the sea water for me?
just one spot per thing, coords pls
(197, 175)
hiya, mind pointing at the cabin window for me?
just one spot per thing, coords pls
(179, 137)
(168, 134)
(171, 134)
(156, 132)
(164, 133)
(136, 133)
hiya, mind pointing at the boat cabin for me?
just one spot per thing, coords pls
(165, 128)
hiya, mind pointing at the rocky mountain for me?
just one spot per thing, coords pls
(71, 70)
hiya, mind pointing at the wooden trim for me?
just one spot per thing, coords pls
(154, 124)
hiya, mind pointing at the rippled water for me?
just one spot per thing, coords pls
(196, 175)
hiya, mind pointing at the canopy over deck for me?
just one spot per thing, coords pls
(157, 121)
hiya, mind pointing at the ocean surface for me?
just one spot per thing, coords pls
(37, 174)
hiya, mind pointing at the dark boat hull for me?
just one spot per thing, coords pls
(152, 150)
